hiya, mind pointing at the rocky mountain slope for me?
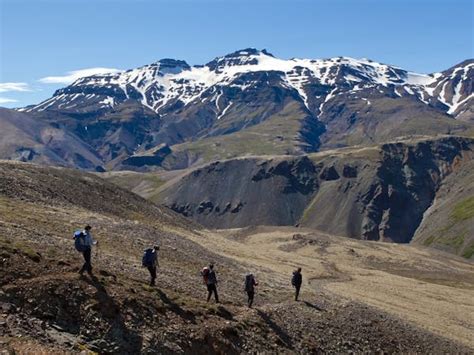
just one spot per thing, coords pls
(45, 306)
(24, 138)
(221, 109)
(449, 222)
(374, 193)
(454, 88)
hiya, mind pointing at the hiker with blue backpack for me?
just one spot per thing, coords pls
(83, 242)
(150, 261)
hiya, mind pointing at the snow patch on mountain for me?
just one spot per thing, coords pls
(168, 81)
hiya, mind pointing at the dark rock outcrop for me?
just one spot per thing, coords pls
(349, 171)
(379, 196)
(329, 173)
(246, 191)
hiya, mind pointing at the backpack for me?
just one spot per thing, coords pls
(148, 258)
(249, 283)
(205, 274)
(296, 279)
(80, 241)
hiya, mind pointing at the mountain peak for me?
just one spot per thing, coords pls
(172, 66)
(464, 64)
(246, 52)
(247, 56)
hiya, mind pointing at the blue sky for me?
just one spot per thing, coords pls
(50, 38)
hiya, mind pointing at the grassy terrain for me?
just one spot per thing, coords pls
(469, 251)
(464, 210)
(278, 134)
(8, 247)
(143, 184)
(385, 119)
(449, 225)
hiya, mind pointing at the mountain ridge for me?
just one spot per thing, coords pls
(293, 106)
(148, 83)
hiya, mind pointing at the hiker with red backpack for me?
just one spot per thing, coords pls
(250, 284)
(83, 242)
(150, 261)
(210, 280)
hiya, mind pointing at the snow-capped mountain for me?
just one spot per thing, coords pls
(169, 82)
(454, 88)
(250, 102)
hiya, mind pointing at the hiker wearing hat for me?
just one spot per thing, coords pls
(150, 261)
(83, 242)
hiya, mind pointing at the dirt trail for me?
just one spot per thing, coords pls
(404, 281)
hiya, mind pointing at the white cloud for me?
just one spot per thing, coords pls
(72, 76)
(4, 87)
(5, 100)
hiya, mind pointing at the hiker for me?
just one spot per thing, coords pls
(83, 242)
(296, 281)
(210, 280)
(150, 261)
(250, 284)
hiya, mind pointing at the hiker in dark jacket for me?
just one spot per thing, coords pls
(250, 284)
(296, 281)
(150, 261)
(88, 242)
(212, 284)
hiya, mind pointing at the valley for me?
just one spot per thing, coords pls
(381, 192)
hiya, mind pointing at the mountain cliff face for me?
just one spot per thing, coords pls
(326, 103)
(377, 193)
